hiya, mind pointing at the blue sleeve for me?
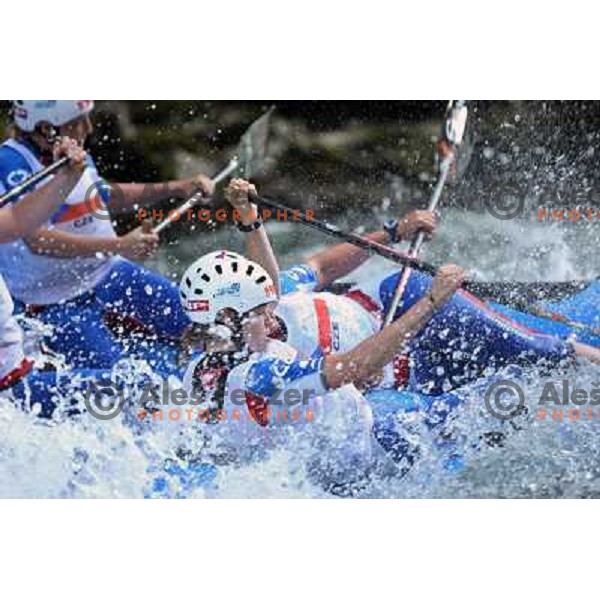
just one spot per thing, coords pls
(270, 375)
(465, 337)
(14, 169)
(298, 278)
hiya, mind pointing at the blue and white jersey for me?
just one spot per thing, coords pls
(275, 400)
(326, 321)
(331, 322)
(39, 279)
(462, 339)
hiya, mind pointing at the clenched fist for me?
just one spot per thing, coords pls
(446, 282)
(68, 147)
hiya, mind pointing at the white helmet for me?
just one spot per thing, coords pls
(221, 280)
(29, 113)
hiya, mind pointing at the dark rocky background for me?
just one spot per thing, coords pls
(337, 156)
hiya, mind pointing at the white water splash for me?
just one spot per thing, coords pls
(87, 459)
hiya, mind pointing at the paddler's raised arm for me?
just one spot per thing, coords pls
(360, 364)
(338, 261)
(258, 245)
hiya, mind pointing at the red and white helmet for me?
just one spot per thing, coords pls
(222, 280)
(29, 113)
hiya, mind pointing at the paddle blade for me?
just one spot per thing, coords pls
(456, 122)
(252, 149)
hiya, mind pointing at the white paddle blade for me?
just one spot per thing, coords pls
(456, 123)
(252, 149)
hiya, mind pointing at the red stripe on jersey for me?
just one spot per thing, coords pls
(324, 325)
(365, 301)
(72, 212)
(16, 375)
(401, 366)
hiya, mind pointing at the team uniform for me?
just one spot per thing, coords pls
(329, 431)
(79, 296)
(11, 337)
(458, 344)
(37, 391)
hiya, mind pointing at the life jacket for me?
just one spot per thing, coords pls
(333, 324)
(11, 336)
(401, 362)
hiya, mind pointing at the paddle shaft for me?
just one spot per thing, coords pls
(197, 198)
(351, 238)
(251, 149)
(454, 129)
(415, 247)
(33, 180)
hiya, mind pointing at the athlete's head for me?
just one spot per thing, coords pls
(43, 120)
(225, 289)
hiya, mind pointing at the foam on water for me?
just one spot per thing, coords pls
(74, 460)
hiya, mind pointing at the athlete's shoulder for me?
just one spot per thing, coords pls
(272, 372)
(299, 278)
(14, 167)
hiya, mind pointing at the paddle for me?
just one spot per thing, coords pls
(33, 180)
(454, 130)
(249, 158)
(352, 238)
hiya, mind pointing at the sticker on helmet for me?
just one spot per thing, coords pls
(198, 305)
(229, 290)
(270, 290)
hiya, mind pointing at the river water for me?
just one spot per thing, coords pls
(94, 459)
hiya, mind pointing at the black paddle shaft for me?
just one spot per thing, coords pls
(351, 238)
(33, 180)
(520, 294)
